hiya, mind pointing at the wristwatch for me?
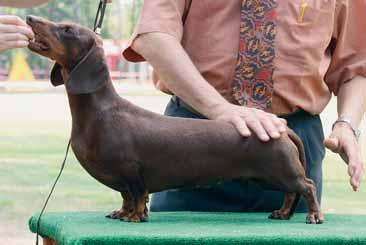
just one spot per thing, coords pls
(348, 121)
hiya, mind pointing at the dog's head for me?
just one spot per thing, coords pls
(78, 52)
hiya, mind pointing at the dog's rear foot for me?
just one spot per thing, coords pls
(315, 218)
(280, 214)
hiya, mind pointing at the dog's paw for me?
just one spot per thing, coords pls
(136, 218)
(315, 218)
(118, 214)
(279, 214)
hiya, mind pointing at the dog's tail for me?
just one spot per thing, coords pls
(300, 147)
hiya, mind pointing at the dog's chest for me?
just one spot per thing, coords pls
(97, 168)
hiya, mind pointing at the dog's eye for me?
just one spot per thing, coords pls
(68, 29)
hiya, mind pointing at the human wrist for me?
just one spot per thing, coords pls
(344, 122)
(215, 110)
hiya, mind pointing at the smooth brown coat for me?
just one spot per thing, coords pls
(137, 152)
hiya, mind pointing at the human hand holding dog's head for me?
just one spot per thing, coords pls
(14, 33)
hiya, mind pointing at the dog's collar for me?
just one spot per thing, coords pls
(82, 60)
(89, 74)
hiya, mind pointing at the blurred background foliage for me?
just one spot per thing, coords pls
(120, 19)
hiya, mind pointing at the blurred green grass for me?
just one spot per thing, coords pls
(28, 167)
(31, 151)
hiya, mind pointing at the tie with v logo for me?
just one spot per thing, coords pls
(253, 80)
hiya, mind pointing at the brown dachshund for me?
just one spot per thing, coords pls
(137, 152)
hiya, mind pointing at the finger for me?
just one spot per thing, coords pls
(283, 121)
(18, 44)
(353, 179)
(242, 127)
(270, 127)
(14, 37)
(256, 126)
(358, 176)
(12, 20)
(355, 167)
(17, 29)
(332, 144)
(280, 123)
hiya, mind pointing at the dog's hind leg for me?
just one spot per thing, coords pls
(289, 205)
(314, 214)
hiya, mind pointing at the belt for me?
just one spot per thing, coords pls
(181, 103)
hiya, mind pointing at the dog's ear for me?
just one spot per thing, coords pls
(90, 74)
(56, 77)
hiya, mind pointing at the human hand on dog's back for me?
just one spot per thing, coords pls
(182, 77)
(265, 125)
(14, 33)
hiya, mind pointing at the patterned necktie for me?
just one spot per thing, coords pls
(253, 80)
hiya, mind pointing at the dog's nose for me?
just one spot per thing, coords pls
(31, 19)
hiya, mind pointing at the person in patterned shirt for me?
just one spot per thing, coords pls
(259, 65)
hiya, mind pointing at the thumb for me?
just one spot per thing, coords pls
(332, 144)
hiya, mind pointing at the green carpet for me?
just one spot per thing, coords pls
(199, 228)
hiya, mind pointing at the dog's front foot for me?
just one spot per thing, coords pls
(315, 218)
(136, 218)
(280, 214)
(118, 214)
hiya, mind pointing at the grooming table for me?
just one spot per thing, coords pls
(198, 228)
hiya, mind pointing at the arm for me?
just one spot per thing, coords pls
(351, 103)
(182, 77)
(22, 3)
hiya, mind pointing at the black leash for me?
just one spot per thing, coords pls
(100, 16)
(52, 189)
(97, 29)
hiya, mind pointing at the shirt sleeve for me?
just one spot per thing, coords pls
(157, 16)
(348, 46)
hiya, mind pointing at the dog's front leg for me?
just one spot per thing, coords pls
(126, 209)
(140, 213)
(133, 209)
(134, 193)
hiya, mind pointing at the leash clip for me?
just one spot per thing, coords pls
(99, 18)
